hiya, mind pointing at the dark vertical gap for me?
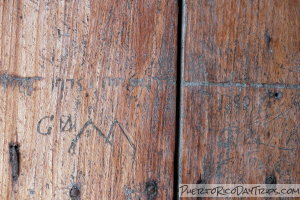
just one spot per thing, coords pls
(178, 100)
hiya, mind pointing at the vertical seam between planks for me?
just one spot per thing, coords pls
(179, 94)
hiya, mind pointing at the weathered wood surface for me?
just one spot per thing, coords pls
(87, 99)
(242, 41)
(241, 92)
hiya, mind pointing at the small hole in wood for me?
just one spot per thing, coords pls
(270, 180)
(151, 190)
(14, 157)
(75, 192)
(276, 95)
(200, 181)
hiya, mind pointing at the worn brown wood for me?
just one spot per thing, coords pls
(241, 92)
(242, 41)
(240, 135)
(87, 99)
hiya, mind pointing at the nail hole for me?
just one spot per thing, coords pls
(14, 158)
(75, 192)
(276, 95)
(268, 39)
(151, 190)
(270, 180)
(200, 181)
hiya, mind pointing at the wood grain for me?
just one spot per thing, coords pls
(240, 95)
(240, 135)
(88, 95)
(242, 41)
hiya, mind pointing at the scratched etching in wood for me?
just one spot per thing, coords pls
(240, 135)
(88, 95)
(243, 41)
(241, 89)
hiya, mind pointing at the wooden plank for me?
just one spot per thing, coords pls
(240, 135)
(240, 92)
(87, 99)
(242, 41)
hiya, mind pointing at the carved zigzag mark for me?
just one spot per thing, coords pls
(108, 139)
